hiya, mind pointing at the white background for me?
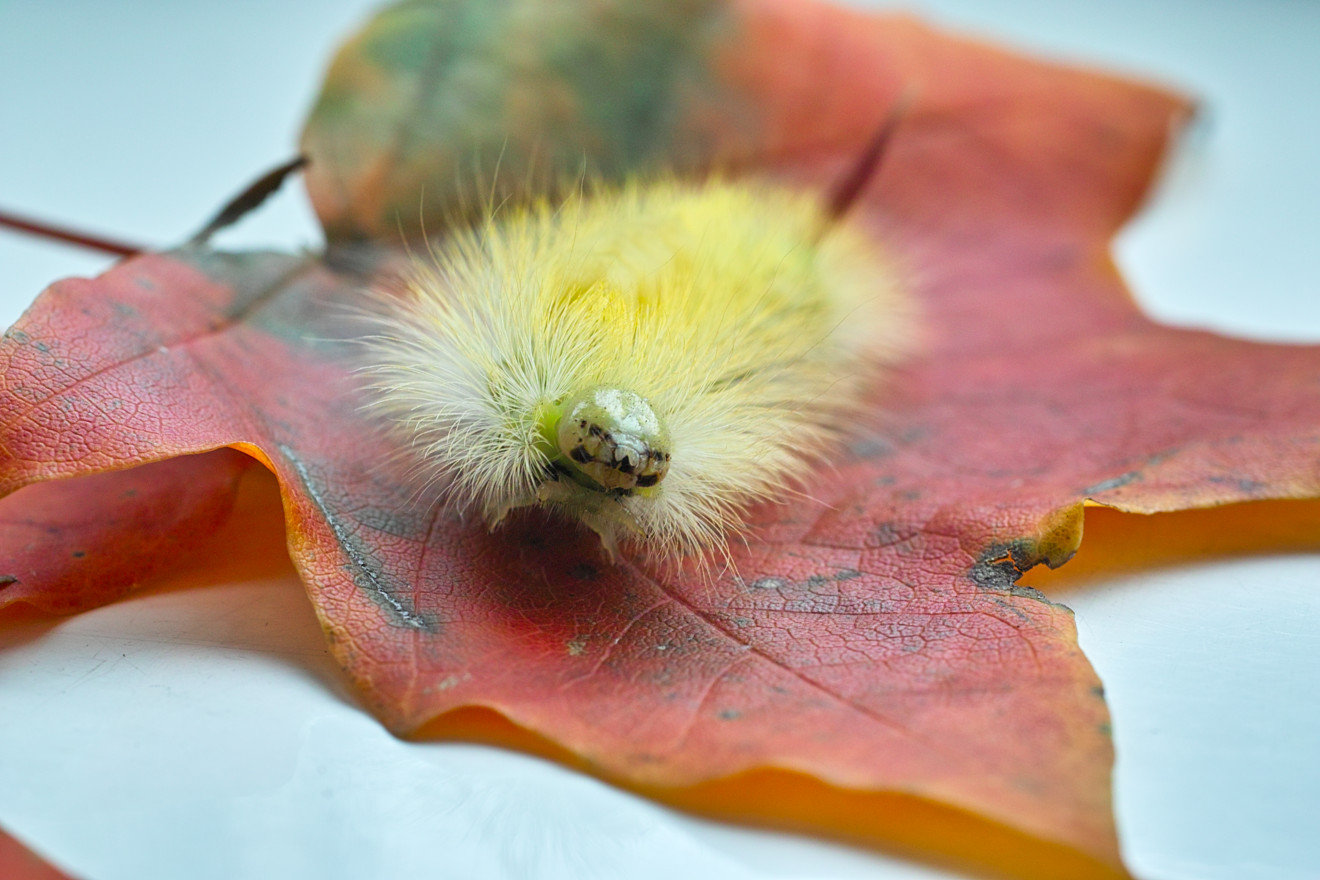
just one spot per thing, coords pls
(204, 732)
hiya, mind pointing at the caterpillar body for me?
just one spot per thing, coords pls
(649, 360)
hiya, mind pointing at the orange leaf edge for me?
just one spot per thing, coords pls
(1118, 541)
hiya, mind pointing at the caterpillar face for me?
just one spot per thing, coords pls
(649, 361)
(613, 437)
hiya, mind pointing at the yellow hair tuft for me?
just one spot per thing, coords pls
(649, 360)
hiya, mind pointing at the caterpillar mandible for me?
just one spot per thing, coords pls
(649, 359)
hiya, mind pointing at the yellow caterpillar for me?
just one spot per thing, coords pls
(649, 360)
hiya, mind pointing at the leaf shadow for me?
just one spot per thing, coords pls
(889, 824)
(245, 563)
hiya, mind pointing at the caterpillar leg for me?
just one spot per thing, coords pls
(495, 515)
(602, 514)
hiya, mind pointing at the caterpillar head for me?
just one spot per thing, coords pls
(613, 437)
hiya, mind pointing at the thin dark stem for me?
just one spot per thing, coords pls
(249, 199)
(68, 236)
(849, 188)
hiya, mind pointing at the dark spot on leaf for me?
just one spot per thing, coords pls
(1113, 483)
(995, 574)
(1242, 484)
(584, 571)
(1012, 609)
(812, 582)
(1105, 729)
(1098, 691)
(6, 580)
(872, 447)
(1000, 566)
(79, 554)
(888, 534)
(730, 714)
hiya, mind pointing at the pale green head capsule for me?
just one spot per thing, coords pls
(614, 437)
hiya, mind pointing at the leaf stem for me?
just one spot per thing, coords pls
(68, 236)
(249, 199)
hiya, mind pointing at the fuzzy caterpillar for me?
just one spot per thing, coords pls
(649, 360)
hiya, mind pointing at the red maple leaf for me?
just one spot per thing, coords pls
(874, 654)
